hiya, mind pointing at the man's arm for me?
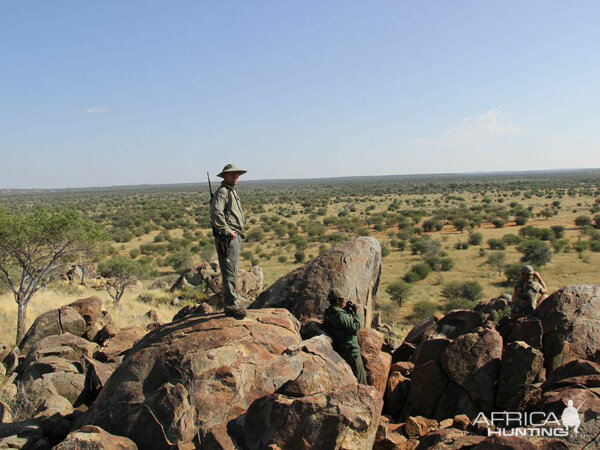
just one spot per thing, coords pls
(349, 323)
(217, 213)
(539, 278)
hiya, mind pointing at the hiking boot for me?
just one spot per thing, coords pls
(236, 311)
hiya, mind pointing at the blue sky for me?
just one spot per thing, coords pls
(113, 93)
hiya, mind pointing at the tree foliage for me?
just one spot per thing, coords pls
(35, 245)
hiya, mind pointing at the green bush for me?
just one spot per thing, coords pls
(461, 245)
(470, 290)
(512, 272)
(412, 277)
(511, 239)
(424, 309)
(440, 264)
(475, 238)
(421, 269)
(399, 291)
(595, 246)
(385, 251)
(535, 252)
(496, 244)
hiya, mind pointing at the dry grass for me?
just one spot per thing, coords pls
(129, 312)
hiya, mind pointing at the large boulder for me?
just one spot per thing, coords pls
(55, 367)
(571, 323)
(473, 362)
(354, 266)
(345, 417)
(377, 363)
(84, 317)
(250, 283)
(190, 381)
(95, 315)
(56, 321)
(90, 437)
(522, 366)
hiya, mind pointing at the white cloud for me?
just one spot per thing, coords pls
(96, 110)
(487, 126)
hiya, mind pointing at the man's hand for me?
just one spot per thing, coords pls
(233, 234)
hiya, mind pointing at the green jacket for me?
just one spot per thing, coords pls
(223, 217)
(525, 297)
(343, 328)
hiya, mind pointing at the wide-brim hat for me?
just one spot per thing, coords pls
(527, 270)
(231, 168)
(339, 292)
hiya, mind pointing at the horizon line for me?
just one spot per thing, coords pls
(273, 180)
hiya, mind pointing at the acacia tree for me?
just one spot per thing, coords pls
(497, 260)
(120, 272)
(35, 245)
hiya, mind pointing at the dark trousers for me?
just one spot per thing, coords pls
(228, 251)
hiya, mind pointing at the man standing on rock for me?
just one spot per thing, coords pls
(529, 293)
(343, 324)
(228, 223)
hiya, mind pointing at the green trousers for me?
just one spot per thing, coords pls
(228, 251)
(354, 360)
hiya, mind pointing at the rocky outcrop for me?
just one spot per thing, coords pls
(90, 437)
(571, 324)
(354, 266)
(522, 367)
(84, 317)
(53, 322)
(377, 363)
(346, 417)
(192, 381)
(250, 283)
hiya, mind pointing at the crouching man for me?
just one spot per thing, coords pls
(343, 324)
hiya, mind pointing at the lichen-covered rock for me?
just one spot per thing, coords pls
(90, 437)
(522, 365)
(190, 375)
(473, 362)
(377, 363)
(571, 323)
(53, 322)
(119, 343)
(354, 266)
(346, 417)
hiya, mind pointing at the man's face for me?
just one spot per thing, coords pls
(231, 178)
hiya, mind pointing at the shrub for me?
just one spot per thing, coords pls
(421, 269)
(440, 264)
(558, 230)
(496, 244)
(512, 272)
(180, 260)
(583, 221)
(470, 290)
(580, 246)
(595, 246)
(475, 238)
(424, 309)
(385, 251)
(412, 277)
(511, 239)
(299, 257)
(535, 252)
(461, 245)
(498, 223)
(399, 291)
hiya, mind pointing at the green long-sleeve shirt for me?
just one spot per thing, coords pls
(224, 221)
(343, 327)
